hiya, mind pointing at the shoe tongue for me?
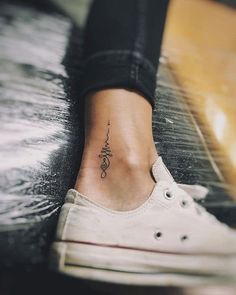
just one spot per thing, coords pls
(160, 171)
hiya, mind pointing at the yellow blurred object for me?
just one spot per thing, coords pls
(200, 43)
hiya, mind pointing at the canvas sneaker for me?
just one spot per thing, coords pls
(169, 240)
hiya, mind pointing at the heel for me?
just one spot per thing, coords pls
(63, 221)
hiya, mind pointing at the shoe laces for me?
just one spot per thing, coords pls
(189, 195)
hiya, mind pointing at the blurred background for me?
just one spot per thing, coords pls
(41, 119)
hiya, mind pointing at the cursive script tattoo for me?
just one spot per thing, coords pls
(105, 154)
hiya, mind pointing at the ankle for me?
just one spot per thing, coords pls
(119, 149)
(129, 159)
(113, 188)
(136, 162)
(126, 186)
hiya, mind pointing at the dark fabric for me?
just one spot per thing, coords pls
(122, 42)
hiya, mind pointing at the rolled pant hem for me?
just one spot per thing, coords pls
(126, 74)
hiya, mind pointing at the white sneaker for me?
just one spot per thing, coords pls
(169, 240)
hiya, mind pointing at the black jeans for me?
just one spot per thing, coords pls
(122, 44)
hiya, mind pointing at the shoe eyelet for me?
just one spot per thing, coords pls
(184, 204)
(158, 235)
(168, 195)
(184, 238)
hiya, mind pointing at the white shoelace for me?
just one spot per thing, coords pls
(191, 194)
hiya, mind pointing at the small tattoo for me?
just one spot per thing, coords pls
(105, 154)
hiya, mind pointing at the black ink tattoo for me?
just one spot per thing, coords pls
(105, 154)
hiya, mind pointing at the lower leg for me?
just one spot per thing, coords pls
(121, 49)
(128, 146)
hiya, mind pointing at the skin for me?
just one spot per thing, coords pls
(106, 153)
(119, 149)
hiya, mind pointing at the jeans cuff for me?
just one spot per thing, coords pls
(127, 71)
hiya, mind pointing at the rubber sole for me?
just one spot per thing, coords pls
(134, 267)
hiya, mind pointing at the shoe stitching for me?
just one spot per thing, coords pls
(144, 249)
(147, 204)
